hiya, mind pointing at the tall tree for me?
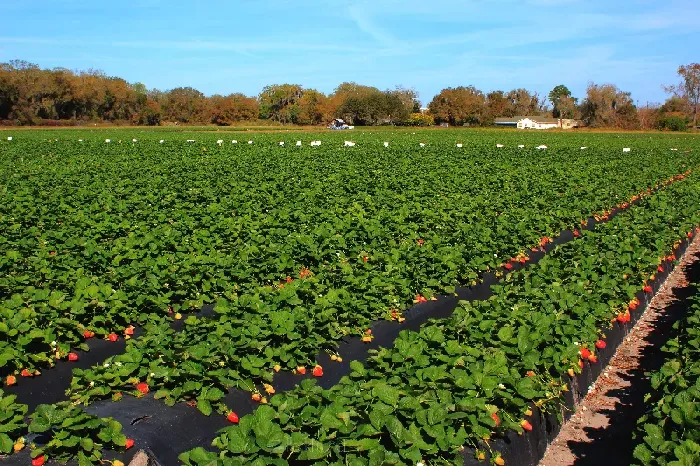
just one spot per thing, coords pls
(278, 102)
(313, 108)
(607, 106)
(498, 105)
(184, 105)
(232, 108)
(689, 88)
(524, 103)
(459, 106)
(563, 104)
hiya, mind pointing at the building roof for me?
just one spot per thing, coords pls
(516, 119)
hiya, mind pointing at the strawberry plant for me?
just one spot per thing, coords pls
(669, 432)
(465, 380)
(300, 247)
(73, 434)
(12, 425)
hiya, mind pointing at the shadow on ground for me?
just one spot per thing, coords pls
(613, 445)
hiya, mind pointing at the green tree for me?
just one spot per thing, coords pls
(563, 104)
(278, 102)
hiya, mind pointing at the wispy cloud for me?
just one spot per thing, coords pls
(366, 24)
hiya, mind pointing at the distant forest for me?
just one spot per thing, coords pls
(30, 95)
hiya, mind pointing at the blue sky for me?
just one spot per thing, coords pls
(240, 46)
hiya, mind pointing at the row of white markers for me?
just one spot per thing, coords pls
(349, 144)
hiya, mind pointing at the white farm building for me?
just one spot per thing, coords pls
(536, 122)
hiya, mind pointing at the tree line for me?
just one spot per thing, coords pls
(32, 95)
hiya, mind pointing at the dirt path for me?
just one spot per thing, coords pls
(600, 432)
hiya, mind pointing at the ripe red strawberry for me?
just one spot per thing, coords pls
(690, 234)
(318, 371)
(72, 357)
(88, 334)
(232, 417)
(129, 330)
(26, 373)
(633, 305)
(368, 331)
(530, 374)
(420, 299)
(113, 337)
(509, 266)
(647, 289)
(600, 344)
(592, 358)
(526, 425)
(496, 419)
(289, 279)
(11, 380)
(301, 370)
(129, 443)
(585, 353)
(660, 268)
(142, 387)
(577, 233)
(523, 260)
(39, 460)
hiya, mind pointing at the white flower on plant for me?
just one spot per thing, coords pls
(420, 463)
(105, 364)
(118, 364)
(92, 384)
(153, 374)
(501, 386)
(53, 343)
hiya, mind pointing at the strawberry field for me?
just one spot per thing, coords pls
(257, 283)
